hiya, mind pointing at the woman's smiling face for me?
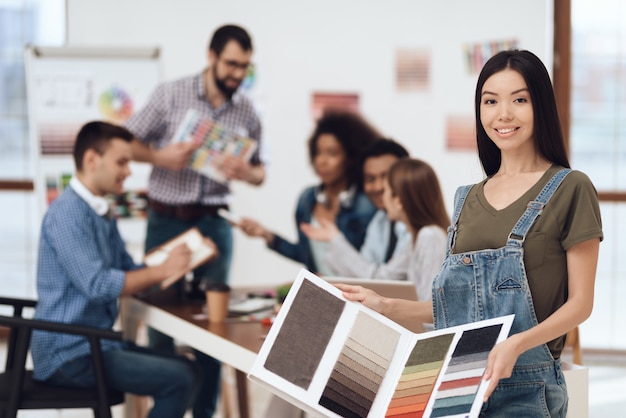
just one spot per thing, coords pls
(506, 111)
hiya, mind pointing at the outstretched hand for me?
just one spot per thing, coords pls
(326, 231)
(500, 363)
(361, 294)
(251, 228)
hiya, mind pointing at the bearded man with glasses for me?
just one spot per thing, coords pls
(180, 197)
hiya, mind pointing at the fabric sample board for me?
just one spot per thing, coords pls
(360, 369)
(419, 376)
(461, 380)
(304, 335)
(335, 358)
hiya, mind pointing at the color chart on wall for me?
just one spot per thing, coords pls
(336, 358)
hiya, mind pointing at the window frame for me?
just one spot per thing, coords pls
(562, 71)
(27, 185)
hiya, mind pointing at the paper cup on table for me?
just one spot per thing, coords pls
(217, 296)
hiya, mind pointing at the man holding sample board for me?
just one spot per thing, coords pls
(180, 197)
(83, 268)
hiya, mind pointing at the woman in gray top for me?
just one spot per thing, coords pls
(412, 196)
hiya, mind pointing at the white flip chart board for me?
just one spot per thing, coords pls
(69, 86)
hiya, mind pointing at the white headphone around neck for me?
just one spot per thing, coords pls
(345, 197)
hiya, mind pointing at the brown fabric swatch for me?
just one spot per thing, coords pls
(304, 334)
(369, 347)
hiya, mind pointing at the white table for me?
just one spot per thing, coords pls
(237, 344)
(234, 343)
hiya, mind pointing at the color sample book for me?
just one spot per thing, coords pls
(304, 335)
(419, 376)
(360, 368)
(336, 358)
(462, 378)
(216, 143)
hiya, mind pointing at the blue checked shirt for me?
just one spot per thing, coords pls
(80, 275)
(156, 123)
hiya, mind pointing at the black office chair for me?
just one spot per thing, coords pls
(18, 390)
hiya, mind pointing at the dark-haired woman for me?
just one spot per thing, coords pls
(523, 241)
(413, 196)
(335, 149)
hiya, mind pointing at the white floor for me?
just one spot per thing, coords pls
(607, 388)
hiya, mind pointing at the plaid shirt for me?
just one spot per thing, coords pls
(157, 122)
(81, 270)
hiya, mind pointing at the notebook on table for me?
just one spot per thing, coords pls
(248, 306)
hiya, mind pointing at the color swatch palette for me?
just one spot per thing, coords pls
(360, 369)
(419, 376)
(335, 358)
(217, 142)
(457, 392)
(115, 104)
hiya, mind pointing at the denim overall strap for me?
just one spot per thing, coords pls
(488, 283)
(459, 201)
(482, 284)
(534, 209)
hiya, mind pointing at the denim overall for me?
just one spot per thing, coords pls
(489, 283)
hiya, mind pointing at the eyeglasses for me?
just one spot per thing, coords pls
(235, 65)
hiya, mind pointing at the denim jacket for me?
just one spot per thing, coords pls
(352, 221)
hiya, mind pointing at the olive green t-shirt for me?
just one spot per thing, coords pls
(570, 217)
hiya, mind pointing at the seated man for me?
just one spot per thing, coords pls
(384, 239)
(83, 268)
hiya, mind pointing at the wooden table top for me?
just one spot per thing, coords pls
(247, 333)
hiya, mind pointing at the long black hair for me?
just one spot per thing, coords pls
(547, 133)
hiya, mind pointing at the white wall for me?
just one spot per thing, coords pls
(346, 46)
